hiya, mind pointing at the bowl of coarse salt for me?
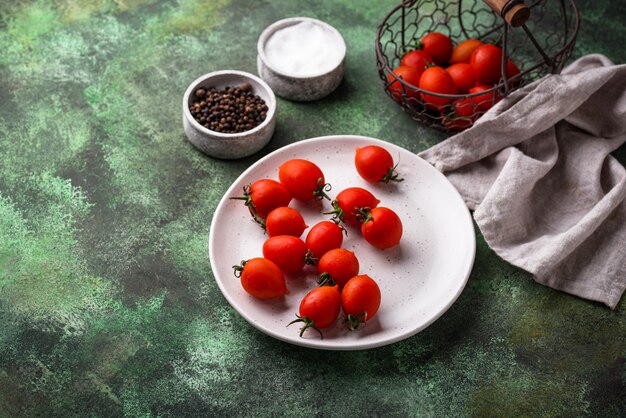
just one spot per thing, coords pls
(301, 58)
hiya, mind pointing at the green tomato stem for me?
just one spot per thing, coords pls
(337, 213)
(238, 269)
(247, 198)
(308, 323)
(322, 188)
(310, 259)
(326, 280)
(363, 214)
(392, 175)
(354, 322)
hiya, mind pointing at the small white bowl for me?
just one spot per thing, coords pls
(225, 145)
(300, 87)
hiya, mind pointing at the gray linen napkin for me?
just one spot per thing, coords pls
(545, 192)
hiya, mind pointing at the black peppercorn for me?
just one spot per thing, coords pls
(229, 110)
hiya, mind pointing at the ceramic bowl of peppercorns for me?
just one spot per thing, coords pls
(229, 114)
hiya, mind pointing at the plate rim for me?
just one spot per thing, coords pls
(322, 344)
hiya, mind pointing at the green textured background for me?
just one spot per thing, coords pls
(108, 306)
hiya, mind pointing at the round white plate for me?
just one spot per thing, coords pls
(419, 279)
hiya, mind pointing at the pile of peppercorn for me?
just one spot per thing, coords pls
(231, 110)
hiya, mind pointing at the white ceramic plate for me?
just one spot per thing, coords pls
(419, 279)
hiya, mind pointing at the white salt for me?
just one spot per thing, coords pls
(304, 49)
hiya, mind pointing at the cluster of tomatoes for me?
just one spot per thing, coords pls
(341, 287)
(438, 66)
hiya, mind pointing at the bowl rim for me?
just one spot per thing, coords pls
(271, 107)
(290, 21)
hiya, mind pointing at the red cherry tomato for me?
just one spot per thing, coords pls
(484, 102)
(348, 201)
(464, 108)
(512, 70)
(438, 46)
(463, 76)
(436, 80)
(284, 221)
(261, 278)
(468, 109)
(289, 253)
(410, 75)
(319, 309)
(360, 300)
(486, 61)
(303, 179)
(375, 164)
(463, 51)
(418, 59)
(263, 196)
(338, 265)
(323, 237)
(381, 227)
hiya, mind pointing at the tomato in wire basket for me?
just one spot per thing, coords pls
(436, 80)
(410, 75)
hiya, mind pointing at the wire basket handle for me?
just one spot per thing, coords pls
(514, 12)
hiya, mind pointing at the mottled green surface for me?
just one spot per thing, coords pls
(108, 306)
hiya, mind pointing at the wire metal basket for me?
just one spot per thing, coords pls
(540, 39)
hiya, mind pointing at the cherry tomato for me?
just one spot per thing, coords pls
(348, 201)
(463, 51)
(468, 109)
(261, 278)
(436, 80)
(360, 300)
(381, 227)
(486, 61)
(264, 195)
(284, 221)
(438, 46)
(464, 108)
(484, 102)
(289, 253)
(303, 179)
(375, 164)
(323, 237)
(511, 71)
(319, 309)
(418, 59)
(463, 76)
(339, 266)
(410, 75)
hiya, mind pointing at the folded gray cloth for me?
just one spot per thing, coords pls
(545, 192)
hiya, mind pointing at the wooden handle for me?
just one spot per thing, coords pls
(515, 16)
